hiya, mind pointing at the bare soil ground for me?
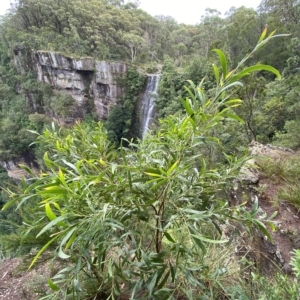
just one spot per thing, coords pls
(19, 283)
(287, 221)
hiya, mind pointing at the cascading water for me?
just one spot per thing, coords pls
(148, 102)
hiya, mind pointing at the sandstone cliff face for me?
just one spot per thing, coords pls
(14, 170)
(105, 87)
(82, 78)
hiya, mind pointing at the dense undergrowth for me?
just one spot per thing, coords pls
(285, 172)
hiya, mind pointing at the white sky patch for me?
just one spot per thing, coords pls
(4, 5)
(190, 11)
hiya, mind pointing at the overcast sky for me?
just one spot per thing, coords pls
(190, 11)
(184, 11)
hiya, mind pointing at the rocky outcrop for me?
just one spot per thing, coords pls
(255, 184)
(274, 152)
(82, 78)
(105, 86)
(14, 170)
(250, 172)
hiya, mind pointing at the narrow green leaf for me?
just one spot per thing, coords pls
(54, 190)
(47, 161)
(67, 237)
(70, 241)
(159, 183)
(113, 168)
(145, 258)
(52, 286)
(228, 86)
(217, 227)
(252, 69)
(151, 284)
(53, 223)
(263, 34)
(197, 241)
(173, 272)
(272, 226)
(61, 177)
(263, 229)
(169, 172)
(154, 175)
(191, 119)
(191, 83)
(129, 180)
(187, 106)
(201, 96)
(235, 101)
(255, 207)
(203, 167)
(163, 282)
(190, 92)
(61, 254)
(217, 75)
(16, 199)
(223, 61)
(164, 293)
(229, 74)
(50, 214)
(234, 117)
(44, 248)
(28, 170)
(169, 237)
(205, 239)
(73, 167)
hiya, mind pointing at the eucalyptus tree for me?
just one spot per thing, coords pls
(209, 32)
(287, 11)
(241, 27)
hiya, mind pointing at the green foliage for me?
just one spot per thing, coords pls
(295, 263)
(123, 121)
(278, 286)
(169, 90)
(13, 240)
(21, 96)
(286, 172)
(62, 103)
(289, 137)
(141, 220)
(173, 82)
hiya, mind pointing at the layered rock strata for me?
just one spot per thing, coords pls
(82, 78)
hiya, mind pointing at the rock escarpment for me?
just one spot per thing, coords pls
(14, 170)
(84, 79)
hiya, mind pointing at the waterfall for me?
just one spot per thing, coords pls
(148, 102)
